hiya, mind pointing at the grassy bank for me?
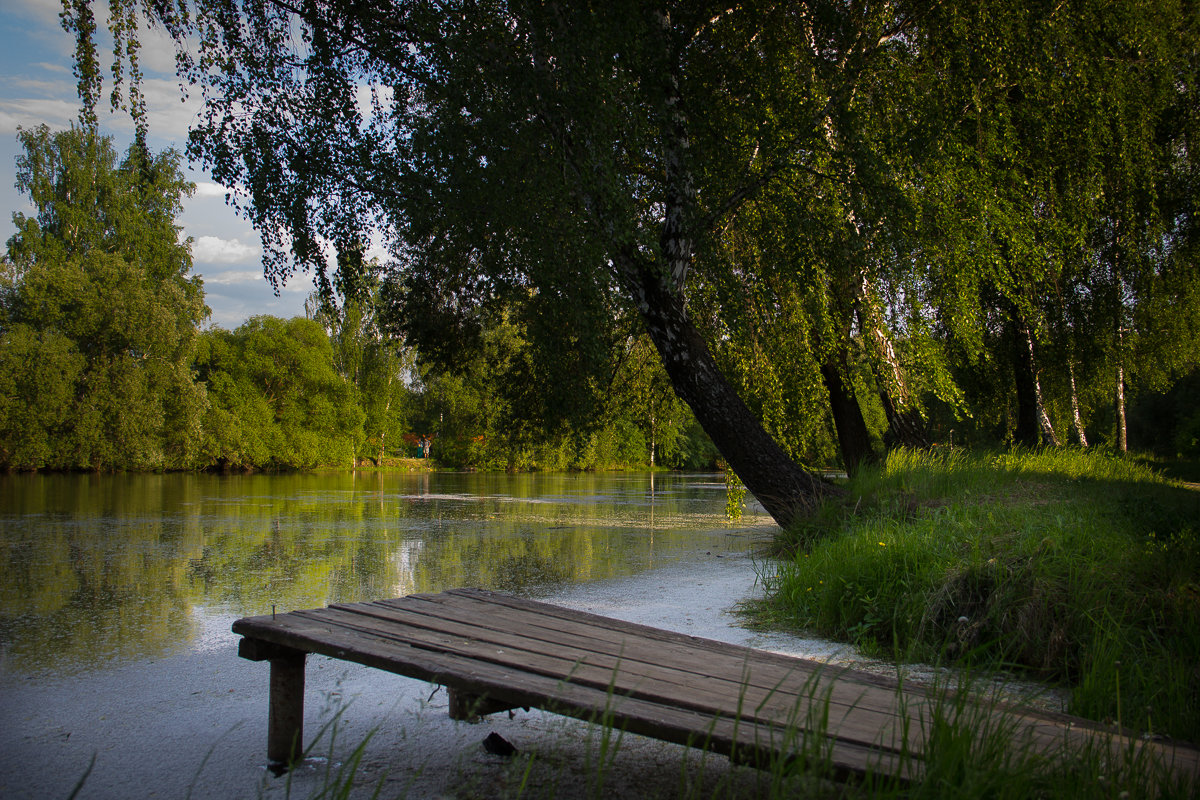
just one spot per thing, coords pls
(1077, 567)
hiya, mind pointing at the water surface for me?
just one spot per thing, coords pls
(99, 570)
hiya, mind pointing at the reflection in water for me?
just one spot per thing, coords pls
(104, 568)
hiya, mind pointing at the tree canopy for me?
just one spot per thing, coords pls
(902, 206)
(104, 366)
(98, 315)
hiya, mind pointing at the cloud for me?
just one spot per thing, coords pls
(232, 277)
(42, 12)
(29, 112)
(236, 294)
(365, 97)
(45, 88)
(246, 293)
(157, 53)
(215, 250)
(377, 248)
(210, 189)
(35, 24)
(169, 112)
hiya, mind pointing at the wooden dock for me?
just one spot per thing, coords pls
(495, 652)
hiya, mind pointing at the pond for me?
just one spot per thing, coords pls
(102, 570)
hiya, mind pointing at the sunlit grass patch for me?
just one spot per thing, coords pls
(1062, 563)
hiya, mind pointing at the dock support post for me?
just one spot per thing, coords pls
(285, 726)
(468, 707)
(285, 720)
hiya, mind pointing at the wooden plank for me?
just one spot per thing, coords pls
(514, 652)
(258, 650)
(1045, 729)
(703, 668)
(721, 734)
(631, 674)
(850, 727)
(851, 717)
(786, 709)
(845, 730)
(726, 654)
(637, 646)
(773, 669)
(503, 687)
(710, 694)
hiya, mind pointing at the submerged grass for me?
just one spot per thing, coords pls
(1075, 566)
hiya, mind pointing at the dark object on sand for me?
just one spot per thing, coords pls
(497, 745)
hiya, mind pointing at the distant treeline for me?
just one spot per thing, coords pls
(105, 365)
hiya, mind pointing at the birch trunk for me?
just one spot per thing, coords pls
(1122, 434)
(1047, 429)
(906, 426)
(655, 283)
(1078, 420)
(785, 490)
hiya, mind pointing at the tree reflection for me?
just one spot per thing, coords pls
(119, 567)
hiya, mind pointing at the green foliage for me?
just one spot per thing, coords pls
(1168, 423)
(38, 376)
(1055, 203)
(377, 365)
(1060, 562)
(98, 314)
(980, 216)
(275, 398)
(102, 365)
(488, 408)
(466, 406)
(640, 398)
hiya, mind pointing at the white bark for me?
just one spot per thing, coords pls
(1122, 434)
(1048, 434)
(1075, 408)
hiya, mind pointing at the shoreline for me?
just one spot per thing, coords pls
(194, 724)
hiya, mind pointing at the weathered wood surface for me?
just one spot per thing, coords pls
(494, 651)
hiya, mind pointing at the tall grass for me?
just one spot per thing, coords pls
(1075, 566)
(955, 748)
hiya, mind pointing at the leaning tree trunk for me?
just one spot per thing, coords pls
(853, 438)
(655, 284)
(907, 427)
(786, 490)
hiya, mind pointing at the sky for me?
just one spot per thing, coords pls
(37, 87)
